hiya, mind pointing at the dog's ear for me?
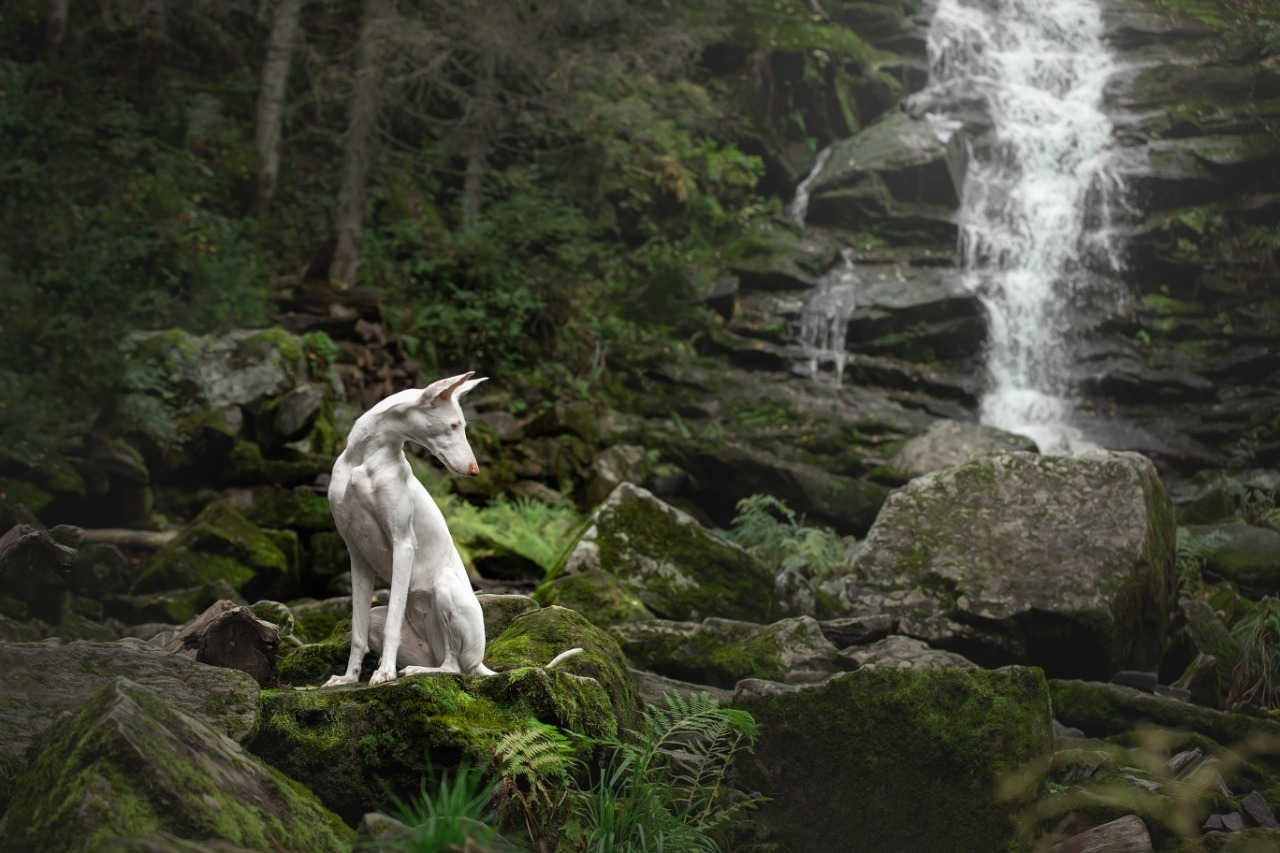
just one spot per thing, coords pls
(443, 389)
(467, 386)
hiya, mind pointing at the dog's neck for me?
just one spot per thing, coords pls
(378, 435)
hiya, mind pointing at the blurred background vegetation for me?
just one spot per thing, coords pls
(527, 183)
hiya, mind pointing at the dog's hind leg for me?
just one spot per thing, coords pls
(361, 602)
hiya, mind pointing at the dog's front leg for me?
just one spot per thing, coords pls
(401, 572)
(361, 602)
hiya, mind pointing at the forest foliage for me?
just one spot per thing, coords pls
(542, 178)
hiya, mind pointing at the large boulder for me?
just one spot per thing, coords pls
(1067, 562)
(129, 765)
(347, 743)
(668, 561)
(720, 652)
(890, 759)
(39, 682)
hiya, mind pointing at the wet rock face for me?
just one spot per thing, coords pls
(1068, 558)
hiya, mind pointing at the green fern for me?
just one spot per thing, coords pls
(664, 789)
(1192, 552)
(535, 767)
(770, 531)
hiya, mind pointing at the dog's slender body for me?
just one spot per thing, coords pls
(395, 531)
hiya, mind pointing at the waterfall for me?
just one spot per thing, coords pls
(1036, 203)
(798, 208)
(824, 319)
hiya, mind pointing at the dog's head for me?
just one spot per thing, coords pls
(436, 422)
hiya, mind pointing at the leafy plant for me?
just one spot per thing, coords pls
(770, 531)
(448, 811)
(1257, 675)
(535, 768)
(665, 788)
(1192, 551)
(530, 528)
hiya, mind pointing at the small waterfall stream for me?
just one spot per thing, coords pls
(824, 319)
(798, 207)
(1038, 192)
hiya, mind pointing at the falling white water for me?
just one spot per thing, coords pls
(824, 319)
(1035, 206)
(798, 208)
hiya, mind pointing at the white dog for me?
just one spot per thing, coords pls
(395, 531)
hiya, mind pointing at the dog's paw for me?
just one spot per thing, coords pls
(381, 676)
(339, 680)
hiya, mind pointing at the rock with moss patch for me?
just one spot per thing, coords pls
(130, 764)
(347, 743)
(536, 637)
(221, 544)
(848, 763)
(721, 652)
(173, 607)
(1067, 559)
(669, 562)
(41, 681)
(596, 594)
(1247, 555)
(1101, 709)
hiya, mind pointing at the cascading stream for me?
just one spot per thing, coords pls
(1037, 196)
(824, 319)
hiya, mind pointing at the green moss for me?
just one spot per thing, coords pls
(679, 570)
(534, 638)
(1101, 710)
(16, 492)
(896, 738)
(221, 544)
(344, 743)
(597, 595)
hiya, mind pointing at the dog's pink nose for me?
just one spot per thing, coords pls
(473, 469)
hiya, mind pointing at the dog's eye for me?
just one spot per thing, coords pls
(455, 427)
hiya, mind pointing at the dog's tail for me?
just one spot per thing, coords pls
(562, 657)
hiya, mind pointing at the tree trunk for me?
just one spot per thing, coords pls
(275, 74)
(57, 27)
(478, 114)
(361, 117)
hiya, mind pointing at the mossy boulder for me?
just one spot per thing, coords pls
(346, 743)
(535, 637)
(669, 562)
(129, 764)
(1100, 710)
(39, 682)
(947, 443)
(721, 652)
(221, 544)
(1246, 555)
(891, 760)
(596, 594)
(1069, 559)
